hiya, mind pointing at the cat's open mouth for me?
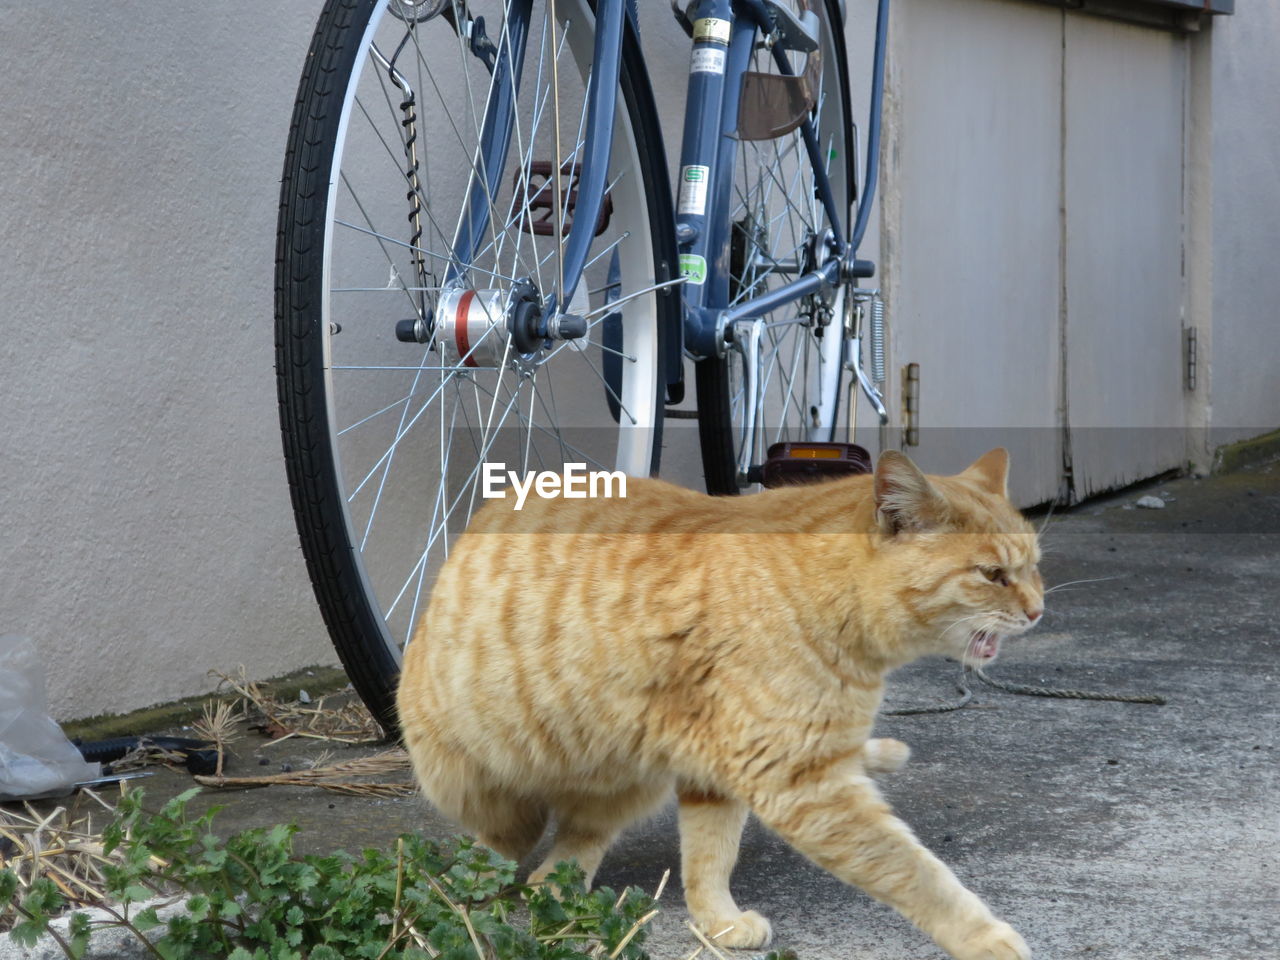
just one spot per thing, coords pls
(983, 647)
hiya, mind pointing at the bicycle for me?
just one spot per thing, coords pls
(480, 259)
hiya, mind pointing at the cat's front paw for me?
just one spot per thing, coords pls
(999, 941)
(748, 929)
(885, 755)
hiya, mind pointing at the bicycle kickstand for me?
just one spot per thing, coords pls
(856, 303)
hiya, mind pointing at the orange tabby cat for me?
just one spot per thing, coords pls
(588, 657)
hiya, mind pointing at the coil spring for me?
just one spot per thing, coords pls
(414, 196)
(408, 106)
(877, 339)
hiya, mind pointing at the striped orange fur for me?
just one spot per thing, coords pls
(591, 657)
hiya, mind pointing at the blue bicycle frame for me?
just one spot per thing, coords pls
(710, 141)
(709, 147)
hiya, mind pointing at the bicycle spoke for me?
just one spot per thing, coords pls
(381, 243)
(417, 163)
(416, 249)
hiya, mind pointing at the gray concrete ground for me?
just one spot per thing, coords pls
(1097, 829)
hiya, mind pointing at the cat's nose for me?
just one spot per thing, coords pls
(1034, 615)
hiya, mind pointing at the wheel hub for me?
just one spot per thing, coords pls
(472, 326)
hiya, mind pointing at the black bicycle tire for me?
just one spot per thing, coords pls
(351, 616)
(711, 374)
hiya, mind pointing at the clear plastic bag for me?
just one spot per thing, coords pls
(36, 758)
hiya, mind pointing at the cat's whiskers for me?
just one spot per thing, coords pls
(1072, 583)
(1047, 517)
(960, 620)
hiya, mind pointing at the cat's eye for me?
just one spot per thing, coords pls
(995, 575)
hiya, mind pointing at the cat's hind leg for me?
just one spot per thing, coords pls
(710, 831)
(504, 821)
(507, 824)
(883, 755)
(588, 823)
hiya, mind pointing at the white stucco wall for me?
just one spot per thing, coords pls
(147, 535)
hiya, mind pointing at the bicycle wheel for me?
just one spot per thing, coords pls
(778, 229)
(415, 256)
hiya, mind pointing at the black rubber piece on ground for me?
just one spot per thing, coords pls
(199, 756)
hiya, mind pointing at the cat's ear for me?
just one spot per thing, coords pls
(905, 500)
(991, 471)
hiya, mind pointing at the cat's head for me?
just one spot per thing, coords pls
(964, 559)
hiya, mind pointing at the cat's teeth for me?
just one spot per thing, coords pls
(985, 645)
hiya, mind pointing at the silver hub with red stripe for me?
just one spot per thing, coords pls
(471, 326)
(474, 327)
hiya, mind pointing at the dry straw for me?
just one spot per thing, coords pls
(336, 777)
(62, 846)
(348, 722)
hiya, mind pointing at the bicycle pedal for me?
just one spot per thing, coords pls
(535, 186)
(810, 462)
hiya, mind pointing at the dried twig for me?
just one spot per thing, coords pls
(251, 694)
(462, 914)
(662, 885)
(635, 928)
(147, 754)
(707, 944)
(338, 777)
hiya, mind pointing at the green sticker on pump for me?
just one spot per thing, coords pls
(693, 268)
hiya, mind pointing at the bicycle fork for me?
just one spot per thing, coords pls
(534, 317)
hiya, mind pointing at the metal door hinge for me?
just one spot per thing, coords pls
(911, 405)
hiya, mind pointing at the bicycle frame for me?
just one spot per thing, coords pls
(711, 119)
(703, 230)
(710, 146)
